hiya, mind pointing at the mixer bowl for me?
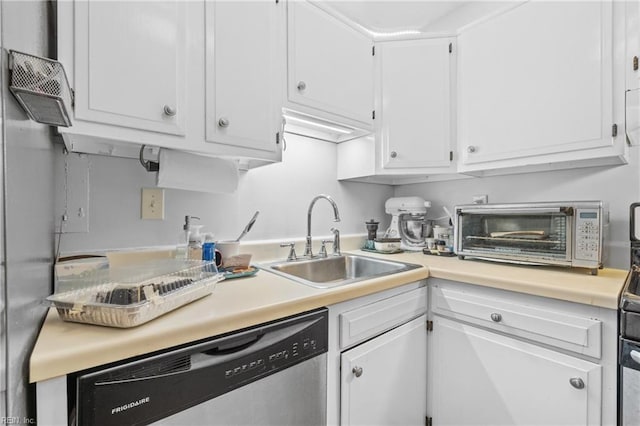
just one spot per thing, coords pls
(412, 229)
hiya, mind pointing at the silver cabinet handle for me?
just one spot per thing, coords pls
(223, 122)
(471, 149)
(357, 371)
(168, 111)
(393, 154)
(496, 317)
(302, 85)
(577, 382)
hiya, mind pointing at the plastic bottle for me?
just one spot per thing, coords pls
(208, 248)
(195, 243)
(184, 239)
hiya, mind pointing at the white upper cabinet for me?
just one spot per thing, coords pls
(414, 101)
(330, 67)
(414, 126)
(244, 84)
(536, 87)
(205, 77)
(130, 64)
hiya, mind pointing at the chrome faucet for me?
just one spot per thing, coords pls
(307, 248)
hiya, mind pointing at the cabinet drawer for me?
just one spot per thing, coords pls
(363, 323)
(527, 320)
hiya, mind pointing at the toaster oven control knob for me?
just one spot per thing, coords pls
(393, 154)
(471, 149)
(577, 382)
(496, 317)
(223, 122)
(357, 371)
(169, 111)
(302, 85)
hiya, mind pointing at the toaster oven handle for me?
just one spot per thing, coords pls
(568, 211)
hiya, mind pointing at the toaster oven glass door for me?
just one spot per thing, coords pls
(522, 236)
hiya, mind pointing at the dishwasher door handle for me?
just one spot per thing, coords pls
(635, 355)
(254, 341)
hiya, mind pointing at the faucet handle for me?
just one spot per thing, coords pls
(292, 250)
(323, 248)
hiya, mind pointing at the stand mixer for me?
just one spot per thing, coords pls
(408, 221)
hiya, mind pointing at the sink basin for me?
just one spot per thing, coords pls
(334, 271)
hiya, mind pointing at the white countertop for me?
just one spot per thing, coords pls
(64, 347)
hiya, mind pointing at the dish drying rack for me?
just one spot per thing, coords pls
(129, 296)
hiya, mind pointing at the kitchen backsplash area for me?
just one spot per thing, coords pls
(617, 186)
(281, 192)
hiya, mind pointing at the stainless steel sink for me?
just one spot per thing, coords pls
(334, 271)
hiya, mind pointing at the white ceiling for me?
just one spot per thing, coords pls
(388, 16)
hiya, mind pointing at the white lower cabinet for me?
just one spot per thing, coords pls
(377, 359)
(485, 378)
(497, 357)
(383, 381)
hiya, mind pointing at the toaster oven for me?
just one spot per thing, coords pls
(551, 233)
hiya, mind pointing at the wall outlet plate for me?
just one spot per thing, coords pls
(152, 206)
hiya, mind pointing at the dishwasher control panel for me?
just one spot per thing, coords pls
(285, 353)
(151, 388)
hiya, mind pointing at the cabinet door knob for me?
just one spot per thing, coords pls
(302, 85)
(496, 317)
(357, 371)
(471, 149)
(577, 382)
(223, 122)
(393, 154)
(168, 111)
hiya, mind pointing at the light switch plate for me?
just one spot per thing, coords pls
(152, 204)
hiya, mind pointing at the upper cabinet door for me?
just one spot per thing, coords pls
(414, 102)
(536, 80)
(129, 64)
(330, 64)
(244, 76)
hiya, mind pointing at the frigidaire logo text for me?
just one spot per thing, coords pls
(133, 404)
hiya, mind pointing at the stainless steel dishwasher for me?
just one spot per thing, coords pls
(272, 374)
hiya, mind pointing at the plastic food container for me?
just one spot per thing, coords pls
(135, 294)
(387, 244)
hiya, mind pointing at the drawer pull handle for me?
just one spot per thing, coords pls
(496, 317)
(357, 371)
(577, 382)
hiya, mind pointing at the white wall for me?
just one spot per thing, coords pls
(282, 192)
(618, 186)
(27, 237)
